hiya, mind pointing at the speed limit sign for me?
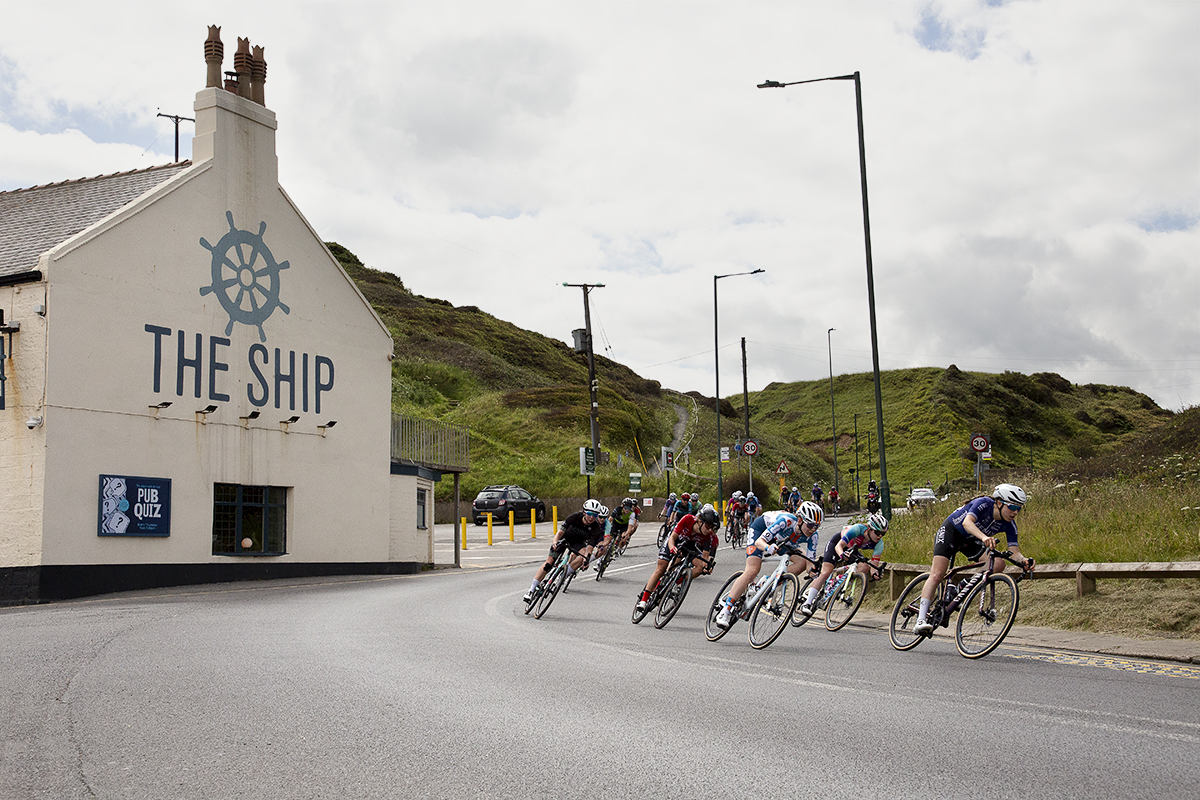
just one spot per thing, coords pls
(750, 447)
(979, 443)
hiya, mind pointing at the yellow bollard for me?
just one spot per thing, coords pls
(489, 529)
(512, 532)
(464, 533)
(554, 516)
(533, 523)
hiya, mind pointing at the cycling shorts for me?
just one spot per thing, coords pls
(949, 540)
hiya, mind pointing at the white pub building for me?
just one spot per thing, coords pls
(193, 390)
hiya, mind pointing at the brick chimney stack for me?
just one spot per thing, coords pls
(214, 55)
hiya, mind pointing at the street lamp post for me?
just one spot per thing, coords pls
(832, 411)
(885, 494)
(717, 373)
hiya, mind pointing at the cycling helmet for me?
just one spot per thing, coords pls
(627, 502)
(592, 506)
(795, 488)
(816, 486)
(810, 512)
(603, 514)
(686, 496)
(737, 495)
(672, 496)
(878, 523)
(708, 515)
(751, 496)
(1009, 494)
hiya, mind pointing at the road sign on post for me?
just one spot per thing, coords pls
(587, 461)
(668, 459)
(782, 469)
(725, 454)
(750, 447)
(635, 482)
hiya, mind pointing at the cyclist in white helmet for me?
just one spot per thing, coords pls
(580, 531)
(971, 530)
(793, 535)
(853, 537)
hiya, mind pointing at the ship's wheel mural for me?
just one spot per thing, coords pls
(245, 277)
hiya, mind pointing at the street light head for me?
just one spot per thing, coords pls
(771, 85)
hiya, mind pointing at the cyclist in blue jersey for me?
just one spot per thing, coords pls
(971, 530)
(816, 493)
(793, 535)
(854, 537)
(753, 508)
(794, 499)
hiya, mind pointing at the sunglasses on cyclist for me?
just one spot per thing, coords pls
(1012, 507)
(810, 526)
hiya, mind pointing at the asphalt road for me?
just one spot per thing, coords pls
(437, 685)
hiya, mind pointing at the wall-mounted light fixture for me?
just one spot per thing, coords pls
(326, 426)
(246, 419)
(202, 414)
(284, 423)
(33, 422)
(162, 405)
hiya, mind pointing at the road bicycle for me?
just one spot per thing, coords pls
(664, 532)
(556, 581)
(735, 531)
(988, 601)
(667, 596)
(767, 605)
(842, 594)
(610, 554)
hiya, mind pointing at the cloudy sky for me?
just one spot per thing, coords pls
(1033, 167)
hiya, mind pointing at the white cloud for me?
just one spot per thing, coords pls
(1034, 178)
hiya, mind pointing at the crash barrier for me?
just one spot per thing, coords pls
(1084, 575)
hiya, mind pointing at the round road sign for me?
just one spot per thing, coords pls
(979, 443)
(750, 447)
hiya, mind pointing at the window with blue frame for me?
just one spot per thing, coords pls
(249, 520)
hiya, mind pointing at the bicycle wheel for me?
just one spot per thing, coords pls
(533, 598)
(606, 559)
(713, 631)
(799, 619)
(987, 616)
(639, 614)
(555, 583)
(904, 614)
(663, 533)
(842, 606)
(677, 589)
(772, 610)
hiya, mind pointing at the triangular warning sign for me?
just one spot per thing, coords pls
(782, 469)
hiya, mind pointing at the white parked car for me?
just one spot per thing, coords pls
(921, 497)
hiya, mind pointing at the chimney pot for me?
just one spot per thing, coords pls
(241, 64)
(214, 55)
(258, 72)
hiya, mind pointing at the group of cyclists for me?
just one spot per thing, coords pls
(793, 533)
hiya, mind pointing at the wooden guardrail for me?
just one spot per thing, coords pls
(1085, 575)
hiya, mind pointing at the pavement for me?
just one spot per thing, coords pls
(524, 548)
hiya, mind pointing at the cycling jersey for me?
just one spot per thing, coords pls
(952, 537)
(854, 537)
(752, 504)
(689, 529)
(622, 517)
(982, 508)
(578, 534)
(783, 530)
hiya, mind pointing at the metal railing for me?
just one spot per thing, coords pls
(430, 443)
(1084, 575)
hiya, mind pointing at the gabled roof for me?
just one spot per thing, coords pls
(36, 219)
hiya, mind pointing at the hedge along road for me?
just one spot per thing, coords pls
(437, 685)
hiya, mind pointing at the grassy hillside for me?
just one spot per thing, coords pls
(524, 397)
(930, 414)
